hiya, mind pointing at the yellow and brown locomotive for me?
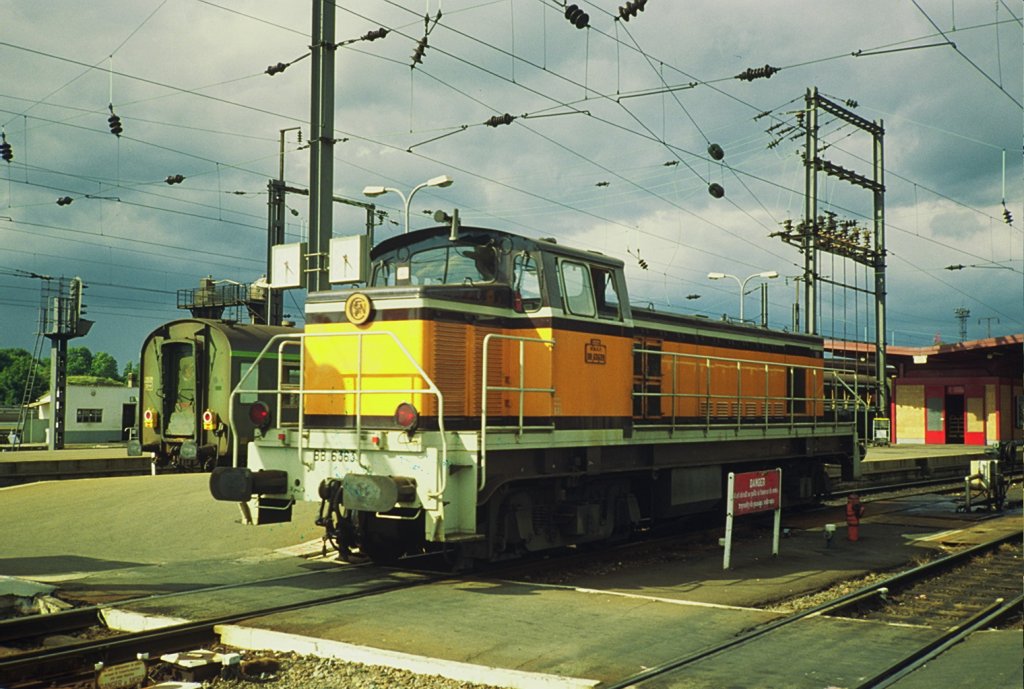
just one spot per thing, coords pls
(492, 394)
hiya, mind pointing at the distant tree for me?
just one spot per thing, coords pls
(79, 361)
(15, 367)
(130, 369)
(103, 366)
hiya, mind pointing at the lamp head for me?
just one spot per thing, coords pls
(716, 276)
(374, 191)
(770, 274)
(442, 181)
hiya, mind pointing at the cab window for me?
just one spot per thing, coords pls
(577, 291)
(526, 282)
(605, 294)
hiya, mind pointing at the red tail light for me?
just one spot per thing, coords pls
(259, 414)
(407, 417)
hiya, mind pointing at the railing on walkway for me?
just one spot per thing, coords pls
(708, 392)
(520, 391)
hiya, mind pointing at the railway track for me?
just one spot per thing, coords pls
(971, 619)
(73, 662)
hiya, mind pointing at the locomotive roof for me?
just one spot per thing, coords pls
(481, 235)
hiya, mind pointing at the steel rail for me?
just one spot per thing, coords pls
(854, 597)
(76, 619)
(999, 609)
(73, 658)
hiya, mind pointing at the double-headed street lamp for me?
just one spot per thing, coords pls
(442, 181)
(767, 275)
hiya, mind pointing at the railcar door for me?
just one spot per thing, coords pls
(181, 369)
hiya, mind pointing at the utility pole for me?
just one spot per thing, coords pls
(321, 145)
(988, 324)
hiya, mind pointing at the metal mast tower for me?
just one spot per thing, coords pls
(817, 234)
(61, 320)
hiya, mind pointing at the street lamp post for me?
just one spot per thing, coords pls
(442, 181)
(767, 275)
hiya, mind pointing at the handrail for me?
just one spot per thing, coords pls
(358, 391)
(737, 398)
(521, 389)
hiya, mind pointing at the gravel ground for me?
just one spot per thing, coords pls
(270, 670)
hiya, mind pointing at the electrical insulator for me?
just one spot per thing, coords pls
(498, 120)
(757, 73)
(64, 200)
(670, 163)
(851, 103)
(421, 47)
(643, 263)
(276, 69)
(115, 124)
(1007, 216)
(5, 150)
(602, 184)
(716, 190)
(716, 151)
(374, 35)
(577, 17)
(630, 9)
(175, 179)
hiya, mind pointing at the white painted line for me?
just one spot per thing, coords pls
(261, 639)
(638, 596)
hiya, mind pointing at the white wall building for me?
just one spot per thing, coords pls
(95, 413)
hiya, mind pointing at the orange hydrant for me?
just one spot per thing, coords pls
(854, 512)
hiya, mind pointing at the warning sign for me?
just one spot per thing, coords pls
(756, 491)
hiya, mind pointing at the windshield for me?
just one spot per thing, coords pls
(453, 264)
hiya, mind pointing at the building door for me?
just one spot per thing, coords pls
(935, 417)
(127, 421)
(955, 419)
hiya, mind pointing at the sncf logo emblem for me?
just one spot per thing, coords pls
(595, 353)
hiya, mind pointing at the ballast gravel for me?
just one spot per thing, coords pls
(295, 671)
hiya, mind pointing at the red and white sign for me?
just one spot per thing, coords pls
(750, 492)
(756, 491)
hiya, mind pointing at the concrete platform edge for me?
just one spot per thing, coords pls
(129, 621)
(260, 639)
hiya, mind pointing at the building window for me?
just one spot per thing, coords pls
(90, 415)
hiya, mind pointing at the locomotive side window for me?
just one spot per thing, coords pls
(577, 292)
(526, 282)
(606, 294)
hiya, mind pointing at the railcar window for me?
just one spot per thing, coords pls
(526, 281)
(577, 292)
(606, 294)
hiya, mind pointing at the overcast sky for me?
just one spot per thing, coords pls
(607, 151)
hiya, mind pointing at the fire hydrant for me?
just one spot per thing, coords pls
(854, 512)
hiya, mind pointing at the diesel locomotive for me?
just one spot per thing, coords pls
(187, 371)
(489, 394)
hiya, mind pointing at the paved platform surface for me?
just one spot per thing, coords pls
(39, 464)
(111, 539)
